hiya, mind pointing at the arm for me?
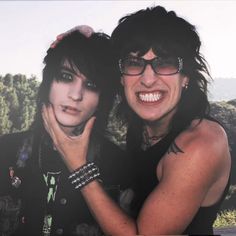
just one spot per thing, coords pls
(197, 177)
(188, 180)
(73, 150)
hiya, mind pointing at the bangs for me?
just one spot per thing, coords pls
(159, 47)
(161, 41)
(159, 30)
(77, 56)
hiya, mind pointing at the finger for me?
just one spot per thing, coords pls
(46, 121)
(54, 125)
(88, 127)
(58, 39)
(60, 36)
(53, 44)
(86, 30)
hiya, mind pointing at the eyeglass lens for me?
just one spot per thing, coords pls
(162, 66)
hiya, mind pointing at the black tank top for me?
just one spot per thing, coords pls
(146, 180)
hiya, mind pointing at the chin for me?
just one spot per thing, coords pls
(148, 117)
(150, 120)
(69, 124)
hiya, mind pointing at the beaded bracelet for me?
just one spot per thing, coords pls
(84, 175)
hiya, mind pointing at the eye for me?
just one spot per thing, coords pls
(168, 61)
(90, 84)
(65, 77)
(133, 62)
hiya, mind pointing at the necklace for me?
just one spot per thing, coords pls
(148, 141)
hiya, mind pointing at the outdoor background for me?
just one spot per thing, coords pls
(27, 28)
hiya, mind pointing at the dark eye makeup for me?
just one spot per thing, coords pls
(67, 77)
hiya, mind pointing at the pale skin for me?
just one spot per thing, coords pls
(187, 180)
(73, 98)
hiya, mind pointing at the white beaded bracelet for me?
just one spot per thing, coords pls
(84, 175)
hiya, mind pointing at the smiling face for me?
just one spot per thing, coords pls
(153, 97)
(73, 96)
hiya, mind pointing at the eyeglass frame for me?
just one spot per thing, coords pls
(150, 62)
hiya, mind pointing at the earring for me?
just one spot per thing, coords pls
(185, 86)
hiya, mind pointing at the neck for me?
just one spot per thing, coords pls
(73, 131)
(153, 132)
(68, 130)
(157, 128)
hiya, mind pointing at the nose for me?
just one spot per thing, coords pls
(76, 90)
(149, 77)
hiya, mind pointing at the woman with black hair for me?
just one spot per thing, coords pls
(37, 197)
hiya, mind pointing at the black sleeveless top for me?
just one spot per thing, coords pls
(146, 180)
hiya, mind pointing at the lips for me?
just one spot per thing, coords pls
(150, 97)
(70, 109)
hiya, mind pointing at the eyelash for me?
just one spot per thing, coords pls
(67, 78)
(90, 85)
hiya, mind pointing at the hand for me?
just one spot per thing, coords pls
(73, 149)
(58, 39)
(86, 30)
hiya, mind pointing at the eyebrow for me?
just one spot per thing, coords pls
(135, 54)
(68, 69)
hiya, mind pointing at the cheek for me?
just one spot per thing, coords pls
(92, 103)
(176, 87)
(57, 92)
(127, 86)
(176, 92)
(52, 95)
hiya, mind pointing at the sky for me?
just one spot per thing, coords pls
(27, 28)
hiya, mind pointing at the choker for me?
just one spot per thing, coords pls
(149, 141)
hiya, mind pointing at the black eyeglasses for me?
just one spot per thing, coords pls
(161, 65)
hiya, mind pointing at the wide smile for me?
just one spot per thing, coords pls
(150, 97)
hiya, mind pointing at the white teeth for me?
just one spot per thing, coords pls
(149, 97)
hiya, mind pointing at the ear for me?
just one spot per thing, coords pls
(122, 80)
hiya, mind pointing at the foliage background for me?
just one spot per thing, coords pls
(17, 102)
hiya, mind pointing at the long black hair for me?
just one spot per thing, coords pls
(164, 32)
(93, 57)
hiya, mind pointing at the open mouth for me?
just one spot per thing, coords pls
(150, 96)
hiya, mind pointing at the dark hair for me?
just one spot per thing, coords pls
(165, 33)
(93, 57)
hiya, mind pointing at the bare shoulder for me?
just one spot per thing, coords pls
(204, 145)
(208, 129)
(204, 136)
(199, 157)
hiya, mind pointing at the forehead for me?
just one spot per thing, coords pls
(69, 67)
(148, 55)
(152, 51)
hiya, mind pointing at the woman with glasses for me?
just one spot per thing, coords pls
(180, 155)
